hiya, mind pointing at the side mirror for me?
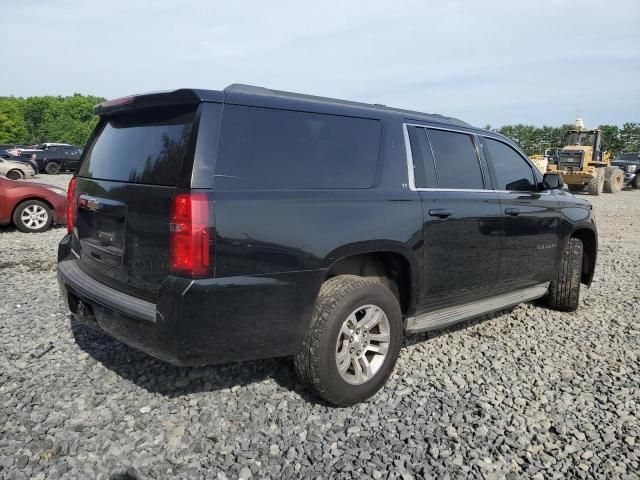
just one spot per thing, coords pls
(552, 181)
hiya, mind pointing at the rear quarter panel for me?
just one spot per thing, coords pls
(294, 236)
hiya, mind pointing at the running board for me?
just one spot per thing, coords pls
(447, 316)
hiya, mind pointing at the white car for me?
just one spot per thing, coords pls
(16, 170)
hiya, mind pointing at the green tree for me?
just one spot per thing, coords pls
(47, 119)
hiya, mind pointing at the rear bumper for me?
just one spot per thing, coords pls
(197, 322)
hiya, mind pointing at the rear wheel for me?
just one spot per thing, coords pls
(564, 290)
(576, 188)
(15, 174)
(52, 168)
(353, 341)
(613, 179)
(32, 216)
(596, 184)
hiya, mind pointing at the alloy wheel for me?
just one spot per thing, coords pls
(362, 344)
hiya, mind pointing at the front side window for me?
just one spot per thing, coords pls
(513, 173)
(264, 148)
(456, 160)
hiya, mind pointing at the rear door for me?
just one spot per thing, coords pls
(462, 223)
(531, 219)
(133, 166)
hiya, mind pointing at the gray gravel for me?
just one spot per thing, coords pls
(529, 392)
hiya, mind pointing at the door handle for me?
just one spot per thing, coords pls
(440, 212)
(512, 211)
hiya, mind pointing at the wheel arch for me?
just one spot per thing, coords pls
(16, 169)
(590, 251)
(382, 260)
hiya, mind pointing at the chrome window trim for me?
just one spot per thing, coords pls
(410, 164)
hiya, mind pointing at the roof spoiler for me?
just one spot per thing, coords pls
(183, 96)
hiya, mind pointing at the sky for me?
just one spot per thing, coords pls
(486, 62)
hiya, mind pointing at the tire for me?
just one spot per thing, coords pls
(613, 180)
(596, 184)
(32, 216)
(344, 298)
(15, 174)
(564, 290)
(576, 188)
(52, 168)
(636, 181)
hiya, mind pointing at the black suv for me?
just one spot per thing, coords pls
(56, 158)
(629, 163)
(215, 226)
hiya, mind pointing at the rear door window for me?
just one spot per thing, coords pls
(263, 148)
(424, 170)
(513, 173)
(456, 159)
(140, 147)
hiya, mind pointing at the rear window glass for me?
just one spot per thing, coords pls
(456, 160)
(264, 148)
(142, 147)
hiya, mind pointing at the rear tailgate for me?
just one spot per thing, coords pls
(124, 188)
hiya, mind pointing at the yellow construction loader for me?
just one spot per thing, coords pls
(582, 163)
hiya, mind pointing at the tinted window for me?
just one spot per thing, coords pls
(142, 148)
(512, 171)
(267, 148)
(456, 160)
(424, 171)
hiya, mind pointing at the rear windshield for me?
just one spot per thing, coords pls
(264, 148)
(142, 147)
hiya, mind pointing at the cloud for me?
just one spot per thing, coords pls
(486, 62)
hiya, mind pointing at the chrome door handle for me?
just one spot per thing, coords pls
(440, 212)
(512, 211)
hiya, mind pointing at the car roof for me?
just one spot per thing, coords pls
(237, 90)
(264, 97)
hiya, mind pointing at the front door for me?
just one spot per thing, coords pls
(531, 222)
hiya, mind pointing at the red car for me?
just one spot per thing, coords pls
(31, 207)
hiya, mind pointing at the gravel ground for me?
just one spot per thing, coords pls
(529, 392)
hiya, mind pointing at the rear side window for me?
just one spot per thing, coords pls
(513, 173)
(456, 160)
(140, 147)
(264, 148)
(424, 170)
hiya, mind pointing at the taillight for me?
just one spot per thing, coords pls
(71, 211)
(190, 234)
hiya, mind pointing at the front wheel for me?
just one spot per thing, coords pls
(564, 290)
(52, 168)
(635, 183)
(14, 175)
(32, 216)
(353, 340)
(596, 184)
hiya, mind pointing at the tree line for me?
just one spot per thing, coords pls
(47, 119)
(70, 120)
(534, 140)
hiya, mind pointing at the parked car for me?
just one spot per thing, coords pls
(31, 207)
(286, 224)
(9, 146)
(29, 161)
(53, 158)
(16, 170)
(629, 163)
